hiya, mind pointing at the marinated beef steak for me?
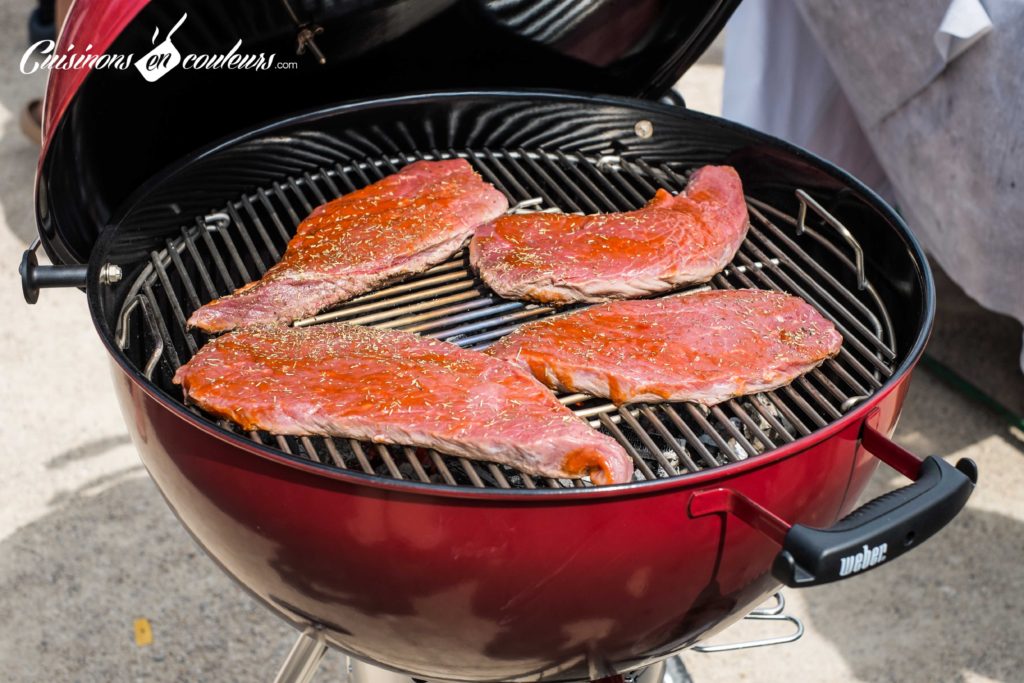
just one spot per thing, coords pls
(561, 258)
(395, 387)
(705, 347)
(398, 226)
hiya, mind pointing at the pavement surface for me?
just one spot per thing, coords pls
(88, 547)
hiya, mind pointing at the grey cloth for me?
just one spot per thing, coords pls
(950, 137)
(778, 80)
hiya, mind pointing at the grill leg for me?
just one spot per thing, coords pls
(361, 672)
(655, 673)
(303, 660)
(675, 671)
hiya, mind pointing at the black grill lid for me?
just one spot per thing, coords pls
(120, 129)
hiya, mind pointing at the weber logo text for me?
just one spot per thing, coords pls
(866, 558)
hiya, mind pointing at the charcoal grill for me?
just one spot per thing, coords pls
(437, 567)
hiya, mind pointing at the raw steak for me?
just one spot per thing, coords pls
(398, 226)
(705, 347)
(561, 258)
(395, 387)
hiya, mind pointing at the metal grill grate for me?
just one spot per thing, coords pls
(223, 250)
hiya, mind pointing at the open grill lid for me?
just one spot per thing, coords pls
(108, 129)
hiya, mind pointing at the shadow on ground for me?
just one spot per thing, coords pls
(75, 580)
(938, 419)
(981, 346)
(954, 604)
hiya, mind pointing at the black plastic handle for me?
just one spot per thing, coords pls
(879, 530)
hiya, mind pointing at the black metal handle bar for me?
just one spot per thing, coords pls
(883, 528)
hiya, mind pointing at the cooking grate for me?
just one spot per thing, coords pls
(225, 249)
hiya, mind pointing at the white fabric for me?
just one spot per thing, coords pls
(928, 94)
(778, 81)
(965, 23)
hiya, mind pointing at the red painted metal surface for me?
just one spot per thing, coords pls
(729, 501)
(883, 416)
(894, 455)
(490, 587)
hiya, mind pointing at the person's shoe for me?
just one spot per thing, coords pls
(32, 121)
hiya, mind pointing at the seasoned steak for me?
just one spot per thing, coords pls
(394, 387)
(561, 258)
(398, 226)
(705, 347)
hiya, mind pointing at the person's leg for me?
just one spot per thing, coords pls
(55, 11)
(61, 8)
(41, 22)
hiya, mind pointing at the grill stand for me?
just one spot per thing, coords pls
(773, 613)
(308, 651)
(304, 659)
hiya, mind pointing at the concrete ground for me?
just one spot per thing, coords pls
(87, 546)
